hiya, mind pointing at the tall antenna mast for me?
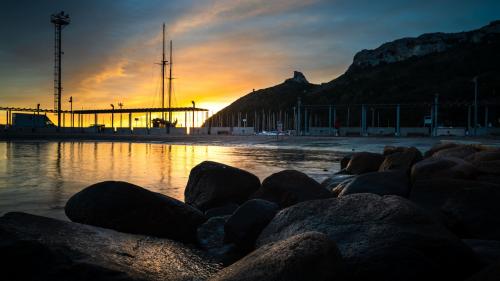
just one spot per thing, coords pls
(163, 63)
(59, 20)
(170, 85)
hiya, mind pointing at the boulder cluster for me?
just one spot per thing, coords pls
(396, 215)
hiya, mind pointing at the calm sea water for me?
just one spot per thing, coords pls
(39, 177)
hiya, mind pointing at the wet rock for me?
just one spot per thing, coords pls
(380, 238)
(214, 184)
(289, 187)
(210, 236)
(381, 183)
(132, 209)
(38, 248)
(345, 161)
(303, 257)
(400, 158)
(488, 251)
(364, 162)
(439, 147)
(469, 208)
(446, 167)
(221, 211)
(245, 225)
(333, 181)
(486, 162)
(460, 151)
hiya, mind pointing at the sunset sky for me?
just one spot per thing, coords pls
(222, 49)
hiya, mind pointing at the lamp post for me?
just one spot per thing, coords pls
(193, 112)
(71, 110)
(121, 120)
(112, 116)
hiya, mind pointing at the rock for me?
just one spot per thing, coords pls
(245, 225)
(210, 237)
(488, 251)
(439, 147)
(289, 187)
(340, 187)
(460, 151)
(380, 238)
(491, 273)
(214, 184)
(345, 161)
(38, 248)
(469, 208)
(486, 162)
(381, 183)
(333, 181)
(364, 162)
(298, 77)
(132, 209)
(302, 257)
(446, 167)
(221, 211)
(401, 158)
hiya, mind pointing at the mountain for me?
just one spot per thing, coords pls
(408, 71)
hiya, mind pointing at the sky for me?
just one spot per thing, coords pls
(222, 48)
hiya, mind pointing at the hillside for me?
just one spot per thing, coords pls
(406, 71)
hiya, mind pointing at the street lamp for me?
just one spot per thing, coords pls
(112, 116)
(121, 120)
(71, 110)
(193, 111)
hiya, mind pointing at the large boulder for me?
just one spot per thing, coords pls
(331, 182)
(364, 162)
(486, 162)
(38, 248)
(210, 237)
(214, 184)
(290, 187)
(401, 158)
(380, 238)
(129, 208)
(303, 257)
(245, 225)
(469, 208)
(438, 147)
(446, 167)
(381, 183)
(460, 151)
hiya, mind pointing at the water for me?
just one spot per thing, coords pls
(38, 177)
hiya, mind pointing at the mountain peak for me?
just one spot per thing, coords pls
(298, 77)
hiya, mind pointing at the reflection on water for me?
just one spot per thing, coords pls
(38, 177)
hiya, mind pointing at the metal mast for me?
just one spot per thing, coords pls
(170, 85)
(59, 20)
(163, 63)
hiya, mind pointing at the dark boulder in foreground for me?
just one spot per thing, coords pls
(290, 187)
(400, 158)
(491, 273)
(446, 167)
(210, 237)
(380, 238)
(303, 257)
(470, 209)
(438, 147)
(38, 248)
(214, 184)
(132, 209)
(245, 225)
(333, 181)
(459, 151)
(486, 162)
(364, 162)
(381, 183)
